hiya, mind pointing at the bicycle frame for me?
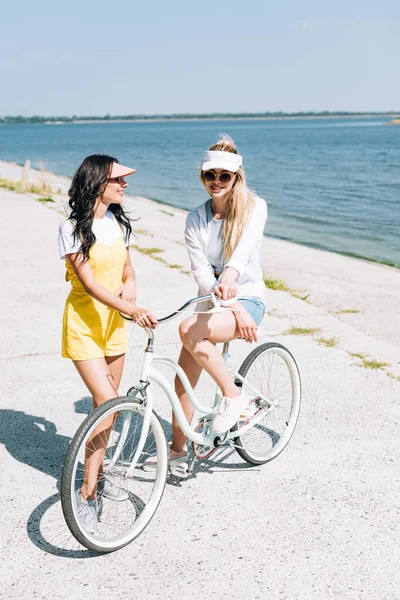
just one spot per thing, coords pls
(149, 373)
(191, 434)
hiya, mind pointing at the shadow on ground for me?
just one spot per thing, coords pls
(34, 441)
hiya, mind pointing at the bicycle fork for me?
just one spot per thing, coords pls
(147, 410)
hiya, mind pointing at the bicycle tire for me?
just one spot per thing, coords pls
(137, 511)
(275, 430)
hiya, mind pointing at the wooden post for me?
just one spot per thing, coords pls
(25, 172)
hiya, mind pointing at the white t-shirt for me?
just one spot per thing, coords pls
(215, 242)
(106, 230)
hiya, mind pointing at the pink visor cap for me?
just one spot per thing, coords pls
(121, 171)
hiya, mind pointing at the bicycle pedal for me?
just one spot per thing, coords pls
(179, 471)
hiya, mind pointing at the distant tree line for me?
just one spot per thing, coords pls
(15, 120)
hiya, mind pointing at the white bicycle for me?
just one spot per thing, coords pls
(133, 433)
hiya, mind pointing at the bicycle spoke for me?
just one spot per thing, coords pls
(109, 439)
(272, 371)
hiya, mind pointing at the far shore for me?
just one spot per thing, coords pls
(232, 118)
(184, 118)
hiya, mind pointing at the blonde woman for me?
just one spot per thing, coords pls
(223, 237)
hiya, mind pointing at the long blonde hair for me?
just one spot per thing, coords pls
(240, 202)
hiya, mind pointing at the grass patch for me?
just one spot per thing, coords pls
(328, 342)
(360, 355)
(154, 253)
(373, 364)
(300, 297)
(277, 285)
(392, 376)
(344, 311)
(9, 185)
(25, 188)
(275, 313)
(167, 212)
(159, 258)
(45, 200)
(143, 232)
(280, 286)
(148, 251)
(303, 331)
(368, 363)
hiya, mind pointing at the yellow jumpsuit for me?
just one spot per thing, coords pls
(92, 329)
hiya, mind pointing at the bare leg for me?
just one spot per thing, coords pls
(100, 376)
(193, 371)
(199, 334)
(116, 366)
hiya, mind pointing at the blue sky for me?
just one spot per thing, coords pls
(178, 56)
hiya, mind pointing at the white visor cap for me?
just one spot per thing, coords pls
(219, 159)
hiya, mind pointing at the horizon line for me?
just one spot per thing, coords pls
(108, 117)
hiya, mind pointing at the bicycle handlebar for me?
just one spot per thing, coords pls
(214, 299)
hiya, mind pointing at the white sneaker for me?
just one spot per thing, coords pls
(229, 411)
(178, 463)
(87, 512)
(109, 490)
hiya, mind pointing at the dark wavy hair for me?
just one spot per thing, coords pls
(86, 186)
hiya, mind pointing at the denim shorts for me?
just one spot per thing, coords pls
(255, 308)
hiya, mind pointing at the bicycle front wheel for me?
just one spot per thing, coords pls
(272, 371)
(100, 456)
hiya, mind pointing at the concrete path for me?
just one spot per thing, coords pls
(319, 522)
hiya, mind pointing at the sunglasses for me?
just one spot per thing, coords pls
(224, 177)
(119, 180)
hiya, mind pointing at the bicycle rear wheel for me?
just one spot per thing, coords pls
(117, 424)
(272, 371)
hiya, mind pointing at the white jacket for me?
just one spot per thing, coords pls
(246, 258)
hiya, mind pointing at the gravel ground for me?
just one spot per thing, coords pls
(319, 522)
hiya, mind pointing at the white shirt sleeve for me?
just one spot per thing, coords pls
(250, 238)
(66, 243)
(202, 269)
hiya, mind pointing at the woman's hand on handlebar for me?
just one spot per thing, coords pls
(226, 289)
(143, 317)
